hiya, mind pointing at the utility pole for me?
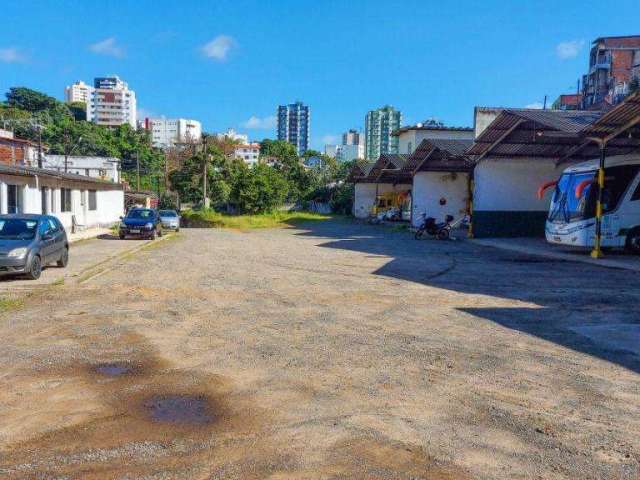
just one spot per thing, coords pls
(205, 157)
(39, 146)
(137, 172)
(66, 149)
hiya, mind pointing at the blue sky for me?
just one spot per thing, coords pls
(230, 63)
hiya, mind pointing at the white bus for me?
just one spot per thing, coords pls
(572, 212)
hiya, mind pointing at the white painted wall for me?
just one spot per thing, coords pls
(365, 196)
(512, 184)
(410, 140)
(483, 118)
(430, 187)
(110, 203)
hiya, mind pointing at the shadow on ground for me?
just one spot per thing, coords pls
(587, 308)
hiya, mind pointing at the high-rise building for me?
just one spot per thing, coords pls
(294, 123)
(614, 62)
(78, 92)
(166, 132)
(352, 137)
(112, 103)
(378, 126)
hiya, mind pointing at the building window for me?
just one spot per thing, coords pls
(93, 200)
(14, 199)
(65, 200)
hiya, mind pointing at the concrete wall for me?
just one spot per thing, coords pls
(505, 201)
(109, 203)
(365, 196)
(483, 118)
(430, 187)
(408, 141)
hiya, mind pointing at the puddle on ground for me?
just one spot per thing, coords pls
(116, 369)
(185, 409)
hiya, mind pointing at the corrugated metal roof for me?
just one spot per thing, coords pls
(570, 121)
(622, 114)
(24, 171)
(440, 154)
(535, 133)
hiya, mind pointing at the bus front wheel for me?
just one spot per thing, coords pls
(633, 241)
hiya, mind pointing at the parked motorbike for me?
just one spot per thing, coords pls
(430, 227)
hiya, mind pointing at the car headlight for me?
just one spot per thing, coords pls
(149, 225)
(18, 252)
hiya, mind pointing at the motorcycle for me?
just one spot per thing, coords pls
(429, 227)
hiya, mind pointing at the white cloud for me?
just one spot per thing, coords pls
(330, 139)
(570, 49)
(535, 106)
(258, 123)
(109, 47)
(218, 48)
(12, 55)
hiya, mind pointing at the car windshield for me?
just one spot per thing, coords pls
(140, 214)
(18, 229)
(168, 213)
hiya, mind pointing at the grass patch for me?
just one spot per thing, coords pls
(8, 304)
(213, 219)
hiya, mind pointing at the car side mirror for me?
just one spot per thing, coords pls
(121, 217)
(47, 236)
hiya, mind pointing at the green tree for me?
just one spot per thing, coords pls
(259, 189)
(78, 110)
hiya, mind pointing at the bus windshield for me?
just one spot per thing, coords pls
(565, 206)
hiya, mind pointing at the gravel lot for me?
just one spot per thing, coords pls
(337, 350)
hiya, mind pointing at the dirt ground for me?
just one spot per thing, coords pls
(336, 350)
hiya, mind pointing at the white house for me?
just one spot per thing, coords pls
(249, 153)
(166, 132)
(78, 201)
(410, 137)
(517, 152)
(105, 168)
(374, 181)
(441, 179)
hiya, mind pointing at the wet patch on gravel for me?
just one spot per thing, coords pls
(117, 369)
(180, 409)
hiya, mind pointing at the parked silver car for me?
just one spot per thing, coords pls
(170, 219)
(30, 242)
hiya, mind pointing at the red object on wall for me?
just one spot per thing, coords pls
(543, 187)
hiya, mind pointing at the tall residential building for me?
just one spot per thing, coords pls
(233, 135)
(78, 92)
(613, 64)
(112, 103)
(166, 132)
(352, 137)
(378, 126)
(294, 123)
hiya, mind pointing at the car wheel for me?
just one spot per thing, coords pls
(177, 229)
(153, 235)
(160, 232)
(64, 258)
(35, 268)
(632, 245)
(122, 236)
